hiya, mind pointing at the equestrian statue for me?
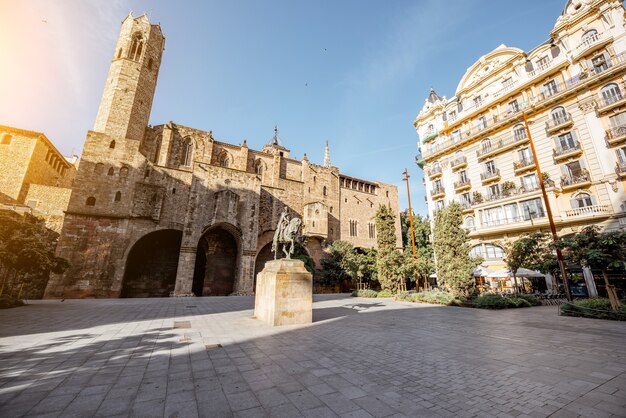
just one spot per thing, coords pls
(287, 232)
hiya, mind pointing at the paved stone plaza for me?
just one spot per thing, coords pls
(360, 358)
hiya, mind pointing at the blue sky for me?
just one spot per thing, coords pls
(352, 72)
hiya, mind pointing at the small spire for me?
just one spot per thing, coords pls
(275, 140)
(326, 156)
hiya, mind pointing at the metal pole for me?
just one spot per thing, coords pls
(408, 193)
(559, 255)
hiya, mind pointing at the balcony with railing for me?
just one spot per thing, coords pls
(523, 165)
(580, 180)
(556, 123)
(588, 211)
(466, 206)
(510, 220)
(437, 192)
(430, 135)
(562, 152)
(490, 176)
(434, 172)
(615, 135)
(588, 43)
(541, 68)
(620, 168)
(462, 185)
(458, 163)
(497, 146)
(607, 103)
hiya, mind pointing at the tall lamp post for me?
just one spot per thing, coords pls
(559, 254)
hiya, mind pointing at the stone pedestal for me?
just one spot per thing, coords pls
(284, 293)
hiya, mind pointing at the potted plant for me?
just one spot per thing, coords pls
(477, 197)
(508, 188)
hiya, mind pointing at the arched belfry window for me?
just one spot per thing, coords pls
(258, 167)
(186, 152)
(136, 47)
(223, 160)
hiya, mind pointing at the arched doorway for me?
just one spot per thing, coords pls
(216, 264)
(151, 265)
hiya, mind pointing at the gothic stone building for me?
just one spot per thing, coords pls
(167, 209)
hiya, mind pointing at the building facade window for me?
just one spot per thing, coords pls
(532, 209)
(600, 63)
(112, 144)
(372, 230)
(566, 141)
(525, 155)
(111, 172)
(186, 152)
(489, 168)
(513, 106)
(550, 88)
(582, 200)
(530, 182)
(481, 123)
(519, 132)
(487, 251)
(223, 160)
(617, 120)
(589, 37)
(611, 93)
(91, 201)
(558, 114)
(354, 228)
(118, 196)
(463, 177)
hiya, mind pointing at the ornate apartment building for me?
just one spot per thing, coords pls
(168, 209)
(475, 150)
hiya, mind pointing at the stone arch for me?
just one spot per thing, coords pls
(217, 260)
(151, 264)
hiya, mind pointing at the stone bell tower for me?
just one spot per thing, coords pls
(127, 98)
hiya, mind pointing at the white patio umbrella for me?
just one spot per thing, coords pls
(521, 272)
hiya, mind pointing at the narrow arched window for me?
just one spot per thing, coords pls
(223, 160)
(558, 114)
(91, 201)
(119, 53)
(118, 196)
(611, 93)
(136, 47)
(112, 144)
(123, 171)
(111, 172)
(519, 132)
(486, 144)
(150, 63)
(582, 200)
(186, 152)
(258, 167)
(325, 191)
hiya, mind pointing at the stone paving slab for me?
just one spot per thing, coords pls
(360, 358)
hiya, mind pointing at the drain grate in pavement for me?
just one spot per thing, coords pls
(182, 324)
(191, 306)
(213, 346)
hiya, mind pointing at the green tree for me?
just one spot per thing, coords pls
(453, 263)
(389, 258)
(596, 250)
(534, 251)
(27, 253)
(422, 231)
(340, 265)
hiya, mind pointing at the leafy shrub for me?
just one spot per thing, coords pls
(366, 293)
(430, 296)
(493, 301)
(385, 294)
(594, 308)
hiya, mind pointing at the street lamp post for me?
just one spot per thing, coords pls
(559, 255)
